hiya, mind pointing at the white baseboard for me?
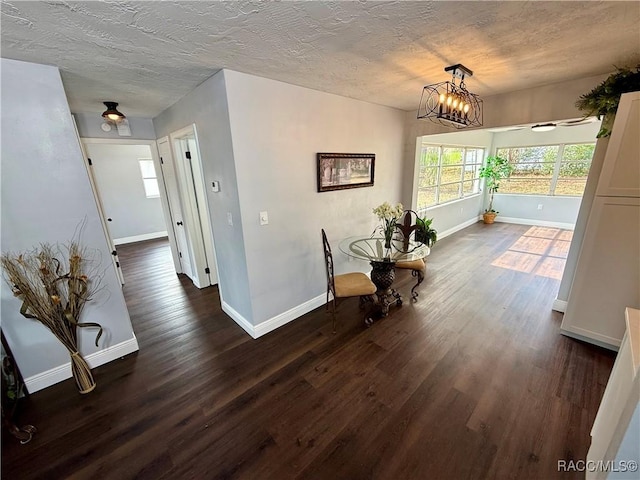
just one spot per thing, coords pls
(285, 317)
(246, 325)
(459, 227)
(140, 238)
(592, 337)
(559, 305)
(274, 322)
(537, 223)
(63, 372)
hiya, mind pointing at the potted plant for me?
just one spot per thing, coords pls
(494, 170)
(603, 100)
(424, 232)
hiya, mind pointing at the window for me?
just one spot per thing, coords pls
(149, 178)
(447, 173)
(548, 169)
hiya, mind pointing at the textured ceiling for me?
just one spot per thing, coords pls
(147, 55)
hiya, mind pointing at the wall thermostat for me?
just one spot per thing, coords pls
(105, 127)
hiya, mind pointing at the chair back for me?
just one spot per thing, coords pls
(407, 225)
(328, 261)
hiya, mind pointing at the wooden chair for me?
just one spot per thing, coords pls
(354, 284)
(407, 227)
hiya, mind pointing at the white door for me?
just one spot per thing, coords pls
(96, 195)
(192, 184)
(175, 207)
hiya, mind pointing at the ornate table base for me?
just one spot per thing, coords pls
(383, 275)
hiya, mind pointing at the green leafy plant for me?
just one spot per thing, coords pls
(603, 100)
(494, 170)
(424, 232)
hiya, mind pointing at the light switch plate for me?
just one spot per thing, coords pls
(264, 218)
(215, 186)
(229, 218)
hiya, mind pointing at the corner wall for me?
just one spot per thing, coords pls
(45, 196)
(277, 130)
(206, 106)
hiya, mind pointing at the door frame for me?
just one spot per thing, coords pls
(156, 163)
(164, 195)
(198, 219)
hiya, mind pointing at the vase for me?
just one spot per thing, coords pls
(82, 373)
(388, 236)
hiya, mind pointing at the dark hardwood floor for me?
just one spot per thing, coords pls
(472, 381)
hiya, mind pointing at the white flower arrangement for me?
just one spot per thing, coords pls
(389, 216)
(387, 212)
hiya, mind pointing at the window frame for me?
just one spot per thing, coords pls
(474, 181)
(144, 178)
(557, 166)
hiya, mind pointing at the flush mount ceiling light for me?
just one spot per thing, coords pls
(543, 127)
(111, 113)
(451, 104)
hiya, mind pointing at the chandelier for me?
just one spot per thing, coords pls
(451, 104)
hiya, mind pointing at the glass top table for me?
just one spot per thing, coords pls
(383, 260)
(373, 249)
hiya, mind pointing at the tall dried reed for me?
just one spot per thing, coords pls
(53, 287)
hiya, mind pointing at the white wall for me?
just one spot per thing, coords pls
(277, 130)
(206, 106)
(117, 173)
(45, 196)
(89, 126)
(259, 138)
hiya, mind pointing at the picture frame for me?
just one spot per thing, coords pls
(339, 171)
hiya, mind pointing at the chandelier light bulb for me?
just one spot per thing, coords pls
(450, 103)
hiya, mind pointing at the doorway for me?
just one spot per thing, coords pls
(123, 176)
(183, 182)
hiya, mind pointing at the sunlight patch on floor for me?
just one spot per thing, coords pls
(540, 250)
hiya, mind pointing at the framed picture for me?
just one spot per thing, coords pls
(337, 171)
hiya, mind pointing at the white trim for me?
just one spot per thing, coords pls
(285, 317)
(537, 223)
(274, 322)
(122, 141)
(590, 337)
(58, 374)
(435, 207)
(239, 319)
(459, 227)
(140, 238)
(559, 305)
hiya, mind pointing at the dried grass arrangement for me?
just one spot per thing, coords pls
(54, 286)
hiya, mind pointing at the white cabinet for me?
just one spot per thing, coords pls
(620, 175)
(608, 272)
(607, 275)
(615, 436)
